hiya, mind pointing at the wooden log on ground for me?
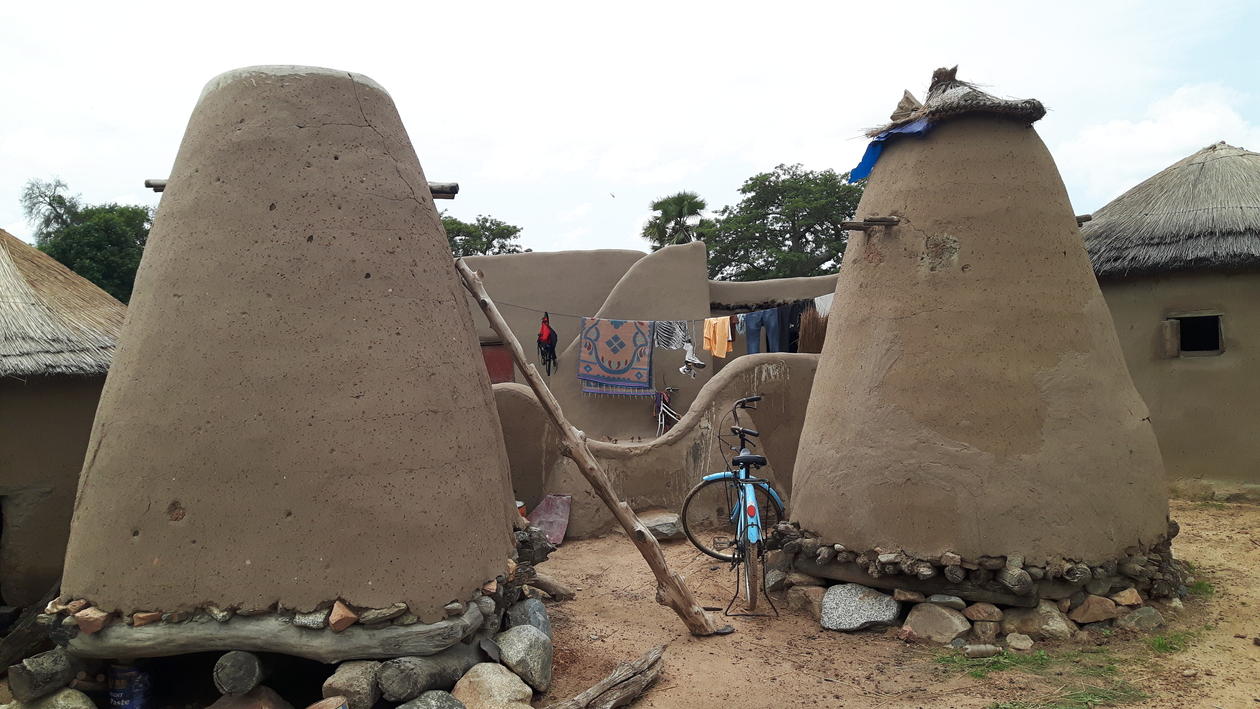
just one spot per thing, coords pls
(854, 573)
(405, 678)
(620, 688)
(671, 588)
(551, 587)
(42, 674)
(27, 636)
(272, 634)
(237, 672)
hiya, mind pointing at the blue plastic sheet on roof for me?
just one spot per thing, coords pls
(876, 147)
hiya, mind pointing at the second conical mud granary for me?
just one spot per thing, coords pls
(297, 414)
(972, 411)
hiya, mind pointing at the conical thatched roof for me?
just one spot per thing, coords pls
(52, 321)
(949, 96)
(1201, 213)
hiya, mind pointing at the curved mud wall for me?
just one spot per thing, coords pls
(297, 410)
(973, 397)
(567, 283)
(659, 473)
(1203, 409)
(44, 428)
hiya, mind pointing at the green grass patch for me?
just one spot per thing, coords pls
(1170, 643)
(1212, 505)
(1112, 693)
(980, 667)
(1202, 588)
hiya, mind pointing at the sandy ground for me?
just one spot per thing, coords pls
(790, 661)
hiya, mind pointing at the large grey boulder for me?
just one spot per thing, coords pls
(851, 606)
(489, 685)
(1144, 618)
(527, 651)
(530, 611)
(663, 524)
(434, 699)
(937, 623)
(1045, 622)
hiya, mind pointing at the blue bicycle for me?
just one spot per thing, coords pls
(726, 515)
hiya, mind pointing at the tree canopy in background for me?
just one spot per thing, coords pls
(486, 235)
(103, 242)
(676, 220)
(787, 224)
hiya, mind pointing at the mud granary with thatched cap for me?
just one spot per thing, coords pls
(57, 335)
(1178, 259)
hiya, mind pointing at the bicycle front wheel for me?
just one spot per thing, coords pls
(709, 516)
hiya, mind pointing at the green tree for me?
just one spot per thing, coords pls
(786, 225)
(486, 235)
(103, 242)
(676, 220)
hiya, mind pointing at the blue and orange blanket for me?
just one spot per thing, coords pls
(615, 357)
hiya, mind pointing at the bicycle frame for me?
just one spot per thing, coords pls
(747, 513)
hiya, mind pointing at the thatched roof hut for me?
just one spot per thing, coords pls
(52, 320)
(1201, 213)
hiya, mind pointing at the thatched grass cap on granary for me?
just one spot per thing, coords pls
(1200, 213)
(949, 96)
(52, 320)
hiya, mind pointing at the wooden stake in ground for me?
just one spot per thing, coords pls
(671, 590)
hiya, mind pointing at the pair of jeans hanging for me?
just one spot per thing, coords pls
(755, 322)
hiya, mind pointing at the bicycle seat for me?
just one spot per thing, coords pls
(755, 461)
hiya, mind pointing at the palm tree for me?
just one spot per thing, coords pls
(675, 220)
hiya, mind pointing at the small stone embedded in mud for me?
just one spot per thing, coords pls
(851, 606)
(942, 599)
(1019, 641)
(1144, 618)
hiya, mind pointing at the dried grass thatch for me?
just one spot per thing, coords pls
(1200, 213)
(52, 321)
(948, 97)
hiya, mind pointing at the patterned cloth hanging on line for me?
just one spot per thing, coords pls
(671, 334)
(615, 357)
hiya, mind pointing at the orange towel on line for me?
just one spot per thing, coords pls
(717, 336)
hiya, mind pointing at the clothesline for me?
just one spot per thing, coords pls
(826, 297)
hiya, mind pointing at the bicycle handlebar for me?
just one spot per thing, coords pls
(748, 400)
(741, 431)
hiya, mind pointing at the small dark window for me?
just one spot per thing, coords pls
(1200, 334)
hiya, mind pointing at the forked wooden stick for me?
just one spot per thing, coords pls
(671, 589)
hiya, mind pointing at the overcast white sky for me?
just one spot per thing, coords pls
(544, 111)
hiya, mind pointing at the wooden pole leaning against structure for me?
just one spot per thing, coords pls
(671, 589)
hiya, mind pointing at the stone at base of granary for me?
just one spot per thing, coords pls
(901, 595)
(1093, 609)
(936, 622)
(434, 699)
(331, 703)
(530, 611)
(663, 525)
(1141, 619)
(984, 650)
(983, 611)
(1019, 641)
(356, 681)
(849, 606)
(985, 631)
(808, 599)
(490, 685)
(1127, 597)
(259, 697)
(66, 698)
(943, 599)
(1045, 622)
(527, 651)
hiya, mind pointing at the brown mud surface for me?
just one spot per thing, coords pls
(791, 662)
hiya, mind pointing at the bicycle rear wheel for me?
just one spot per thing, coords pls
(752, 576)
(708, 516)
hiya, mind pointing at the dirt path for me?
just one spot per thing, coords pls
(791, 662)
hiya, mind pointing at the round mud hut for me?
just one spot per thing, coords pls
(297, 449)
(972, 427)
(57, 335)
(1178, 260)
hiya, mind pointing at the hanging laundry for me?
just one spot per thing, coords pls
(717, 336)
(615, 357)
(547, 339)
(670, 334)
(823, 303)
(739, 323)
(757, 321)
(790, 324)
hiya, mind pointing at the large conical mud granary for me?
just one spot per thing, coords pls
(297, 412)
(972, 401)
